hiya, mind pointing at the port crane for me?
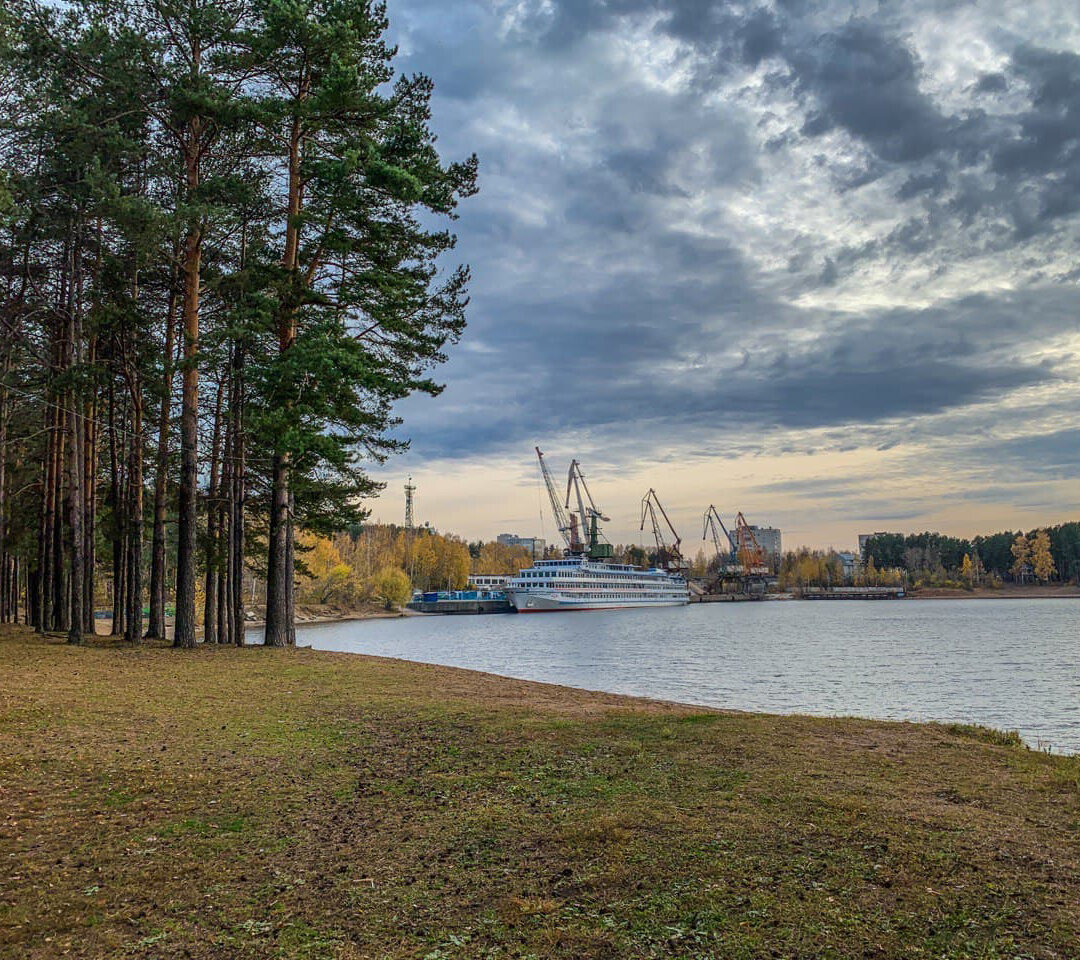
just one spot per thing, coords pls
(588, 517)
(740, 558)
(725, 555)
(748, 551)
(576, 526)
(567, 529)
(666, 556)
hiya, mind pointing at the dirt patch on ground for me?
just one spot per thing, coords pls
(252, 803)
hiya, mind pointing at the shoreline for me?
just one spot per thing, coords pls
(1006, 593)
(935, 593)
(344, 616)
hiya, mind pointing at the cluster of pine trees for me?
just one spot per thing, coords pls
(221, 224)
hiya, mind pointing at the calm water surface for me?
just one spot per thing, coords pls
(1012, 664)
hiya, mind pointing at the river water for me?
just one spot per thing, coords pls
(1012, 664)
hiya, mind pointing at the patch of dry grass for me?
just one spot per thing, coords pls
(291, 804)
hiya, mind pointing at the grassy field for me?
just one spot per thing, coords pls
(271, 804)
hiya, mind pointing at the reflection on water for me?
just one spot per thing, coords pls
(1008, 663)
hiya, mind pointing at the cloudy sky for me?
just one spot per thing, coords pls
(816, 260)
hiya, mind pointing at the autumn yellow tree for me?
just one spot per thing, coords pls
(497, 559)
(967, 570)
(392, 587)
(870, 575)
(326, 578)
(452, 563)
(1042, 561)
(421, 561)
(1021, 551)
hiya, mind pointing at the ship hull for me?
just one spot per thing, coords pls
(539, 603)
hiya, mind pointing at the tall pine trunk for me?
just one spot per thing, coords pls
(90, 466)
(278, 576)
(184, 634)
(156, 626)
(134, 619)
(74, 461)
(43, 578)
(237, 502)
(210, 606)
(280, 628)
(116, 503)
(75, 512)
(58, 603)
(4, 415)
(221, 508)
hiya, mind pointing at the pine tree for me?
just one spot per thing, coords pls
(241, 187)
(360, 311)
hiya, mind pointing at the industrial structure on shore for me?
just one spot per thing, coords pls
(587, 577)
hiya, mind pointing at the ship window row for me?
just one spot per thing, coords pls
(625, 596)
(566, 574)
(592, 585)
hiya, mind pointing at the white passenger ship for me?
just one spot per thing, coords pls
(578, 583)
(585, 578)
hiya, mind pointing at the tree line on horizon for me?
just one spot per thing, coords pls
(385, 562)
(1043, 554)
(221, 236)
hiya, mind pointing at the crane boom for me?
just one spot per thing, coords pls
(561, 520)
(584, 522)
(748, 551)
(670, 556)
(571, 478)
(712, 521)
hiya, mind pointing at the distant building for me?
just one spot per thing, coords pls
(485, 581)
(535, 545)
(768, 538)
(852, 564)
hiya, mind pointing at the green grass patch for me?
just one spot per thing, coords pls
(292, 804)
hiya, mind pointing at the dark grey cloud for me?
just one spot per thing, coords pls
(1054, 455)
(868, 83)
(992, 83)
(576, 372)
(626, 291)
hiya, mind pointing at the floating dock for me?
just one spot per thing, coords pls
(853, 593)
(461, 606)
(461, 602)
(728, 597)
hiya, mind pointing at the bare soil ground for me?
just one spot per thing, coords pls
(253, 803)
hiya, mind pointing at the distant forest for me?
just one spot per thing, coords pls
(996, 554)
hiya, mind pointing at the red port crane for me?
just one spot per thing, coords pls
(747, 550)
(738, 553)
